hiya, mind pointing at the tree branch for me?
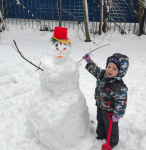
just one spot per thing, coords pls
(129, 7)
(95, 3)
(122, 31)
(25, 58)
(78, 35)
(94, 50)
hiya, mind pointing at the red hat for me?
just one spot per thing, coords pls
(60, 34)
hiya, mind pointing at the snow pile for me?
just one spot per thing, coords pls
(19, 85)
(58, 114)
(133, 124)
(16, 88)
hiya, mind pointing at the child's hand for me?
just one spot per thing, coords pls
(87, 57)
(115, 118)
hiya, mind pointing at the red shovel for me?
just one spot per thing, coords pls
(106, 145)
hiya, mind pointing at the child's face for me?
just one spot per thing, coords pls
(111, 70)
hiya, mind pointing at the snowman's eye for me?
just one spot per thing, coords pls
(64, 49)
(57, 49)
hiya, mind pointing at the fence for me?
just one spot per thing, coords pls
(71, 12)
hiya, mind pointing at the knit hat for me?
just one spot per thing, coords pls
(122, 62)
(114, 60)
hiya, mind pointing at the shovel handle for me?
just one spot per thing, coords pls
(109, 116)
(110, 127)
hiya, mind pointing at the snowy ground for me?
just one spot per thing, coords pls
(18, 80)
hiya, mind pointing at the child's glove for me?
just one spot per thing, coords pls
(115, 118)
(87, 57)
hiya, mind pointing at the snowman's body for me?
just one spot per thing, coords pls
(58, 114)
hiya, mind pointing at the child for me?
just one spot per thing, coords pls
(110, 93)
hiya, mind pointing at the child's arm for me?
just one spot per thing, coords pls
(91, 66)
(120, 101)
(94, 69)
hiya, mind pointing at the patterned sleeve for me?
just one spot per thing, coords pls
(93, 69)
(120, 102)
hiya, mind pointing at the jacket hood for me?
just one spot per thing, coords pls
(123, 61)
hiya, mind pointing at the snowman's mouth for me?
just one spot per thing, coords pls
(59, 56)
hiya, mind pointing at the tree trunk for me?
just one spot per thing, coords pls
(2, 8)
(101, 17)
(105, 26)
(2, 27)
(141, 16)
(141, 25)
(1, 17)
(59, 12)
(86, 21)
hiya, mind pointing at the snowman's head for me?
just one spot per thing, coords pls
(60, 48)
(60, 51)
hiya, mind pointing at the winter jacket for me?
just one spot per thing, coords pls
(111, 93)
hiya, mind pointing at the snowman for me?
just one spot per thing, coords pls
(58, 113)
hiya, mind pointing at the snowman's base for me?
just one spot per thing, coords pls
(58, 122)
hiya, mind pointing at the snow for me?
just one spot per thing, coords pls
(20, 86)
(58, 113)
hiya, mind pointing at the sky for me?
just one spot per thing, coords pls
(19, 80)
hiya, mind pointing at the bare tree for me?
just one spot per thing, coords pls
(107, 5)
(104, 23)
(101, 17)
(84, 2)
(141, 13)
(101, 14)
(2, 27)
(59, 12)
(2, 7)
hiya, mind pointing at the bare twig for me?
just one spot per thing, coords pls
(78, 35)
(25, 58)
(94, 50)
(133, 11)
(95, 3)
(98, 48)
(69, 14)
(122, 31)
